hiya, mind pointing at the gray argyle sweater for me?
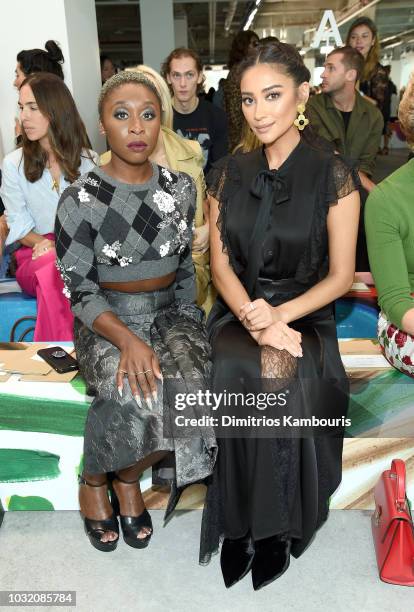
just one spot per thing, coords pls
(111, 231)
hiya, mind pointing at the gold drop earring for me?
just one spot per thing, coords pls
(301, 121)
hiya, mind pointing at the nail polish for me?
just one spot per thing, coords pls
(120, 391)
(138, 400)
(149, 402)
(155, 395)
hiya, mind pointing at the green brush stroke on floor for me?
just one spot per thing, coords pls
(20, 413)
(21, 465)
(30, 502)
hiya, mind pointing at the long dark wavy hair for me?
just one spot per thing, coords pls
(67, 134)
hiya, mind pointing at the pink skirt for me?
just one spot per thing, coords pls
(40, 278)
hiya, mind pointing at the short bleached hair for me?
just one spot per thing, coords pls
(122, 78)
(406, 112)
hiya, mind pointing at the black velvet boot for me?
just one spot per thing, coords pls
(236, 559)
(271, 560)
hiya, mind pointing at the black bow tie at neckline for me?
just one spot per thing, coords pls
(270, 188)
(268, 183)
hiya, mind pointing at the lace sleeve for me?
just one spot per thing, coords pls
(223, 181)
(342, 179)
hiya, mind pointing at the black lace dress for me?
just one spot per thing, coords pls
(273, 225)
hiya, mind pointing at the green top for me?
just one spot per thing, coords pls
(389, 225)
(361, 140)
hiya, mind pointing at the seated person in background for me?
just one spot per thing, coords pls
(54, 152)
(179, 154)
(389, 223)
(343, 117)
(195, 118)
(352, 124)
(28, 62)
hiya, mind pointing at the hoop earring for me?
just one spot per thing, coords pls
(301, 121)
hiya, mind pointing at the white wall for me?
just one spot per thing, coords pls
(157, 31)
(85, 68)
(28, 24)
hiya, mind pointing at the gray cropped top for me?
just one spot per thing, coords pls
(112, 231)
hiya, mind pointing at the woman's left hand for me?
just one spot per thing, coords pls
(257, 315)
(42, 247)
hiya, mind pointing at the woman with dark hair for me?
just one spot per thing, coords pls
(54, 152)
(107, 68)
(38, 60)
(283, 229)
(123, 239)
(374, 83)
(242, 43)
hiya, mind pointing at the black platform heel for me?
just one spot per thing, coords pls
(271, 560)
(132, 525)
(96, 528)
(236, 559)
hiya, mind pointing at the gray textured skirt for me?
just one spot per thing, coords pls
(118, 433)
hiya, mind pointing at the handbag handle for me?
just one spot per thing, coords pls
(398, 468)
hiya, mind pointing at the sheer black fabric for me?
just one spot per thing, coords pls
(273, 225)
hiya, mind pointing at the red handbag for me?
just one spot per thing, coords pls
(392, 527)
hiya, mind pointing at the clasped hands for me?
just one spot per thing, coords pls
(266, 325)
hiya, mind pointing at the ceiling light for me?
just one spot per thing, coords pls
(250, 19)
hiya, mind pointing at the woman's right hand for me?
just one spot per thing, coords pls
(139, 363)
(282, 337)
(42, 247)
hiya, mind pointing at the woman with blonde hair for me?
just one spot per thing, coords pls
(389, 227)
(182, 155)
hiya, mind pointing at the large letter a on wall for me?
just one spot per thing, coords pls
(333, 32)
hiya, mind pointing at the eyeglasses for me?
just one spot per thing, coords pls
(189, 76)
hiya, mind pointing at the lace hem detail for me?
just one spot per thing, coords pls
(341, 180)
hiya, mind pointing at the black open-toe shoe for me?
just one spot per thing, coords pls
(132, 525)
(96, 528)
(236, 559)
(271, 560)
